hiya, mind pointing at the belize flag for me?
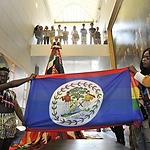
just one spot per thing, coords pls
(82, 100)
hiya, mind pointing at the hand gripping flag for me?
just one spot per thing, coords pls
(82, 100)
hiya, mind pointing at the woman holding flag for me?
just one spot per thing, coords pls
(142, 132)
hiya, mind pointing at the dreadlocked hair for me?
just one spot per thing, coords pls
(4, 69)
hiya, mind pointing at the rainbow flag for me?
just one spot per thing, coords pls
(78, 101)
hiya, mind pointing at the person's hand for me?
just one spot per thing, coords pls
(32, 76)
(133, 69)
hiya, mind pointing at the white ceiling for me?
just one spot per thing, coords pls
(74, 11)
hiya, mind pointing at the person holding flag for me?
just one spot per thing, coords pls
(9, 107)
(143, 131)
(55, 65)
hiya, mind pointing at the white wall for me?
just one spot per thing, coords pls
(18, 18)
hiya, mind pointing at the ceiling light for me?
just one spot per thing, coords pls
(36, 5)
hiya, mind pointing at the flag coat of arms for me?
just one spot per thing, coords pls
(82, 100)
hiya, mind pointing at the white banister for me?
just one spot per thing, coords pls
(72, 50)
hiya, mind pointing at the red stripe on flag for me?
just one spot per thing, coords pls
(84, 74)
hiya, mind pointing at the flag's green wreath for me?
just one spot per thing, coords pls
(72, 85)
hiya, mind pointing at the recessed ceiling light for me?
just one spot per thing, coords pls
(36, 5)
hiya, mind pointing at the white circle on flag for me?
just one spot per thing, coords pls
(75, 103)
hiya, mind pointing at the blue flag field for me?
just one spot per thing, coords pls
(82, 100)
